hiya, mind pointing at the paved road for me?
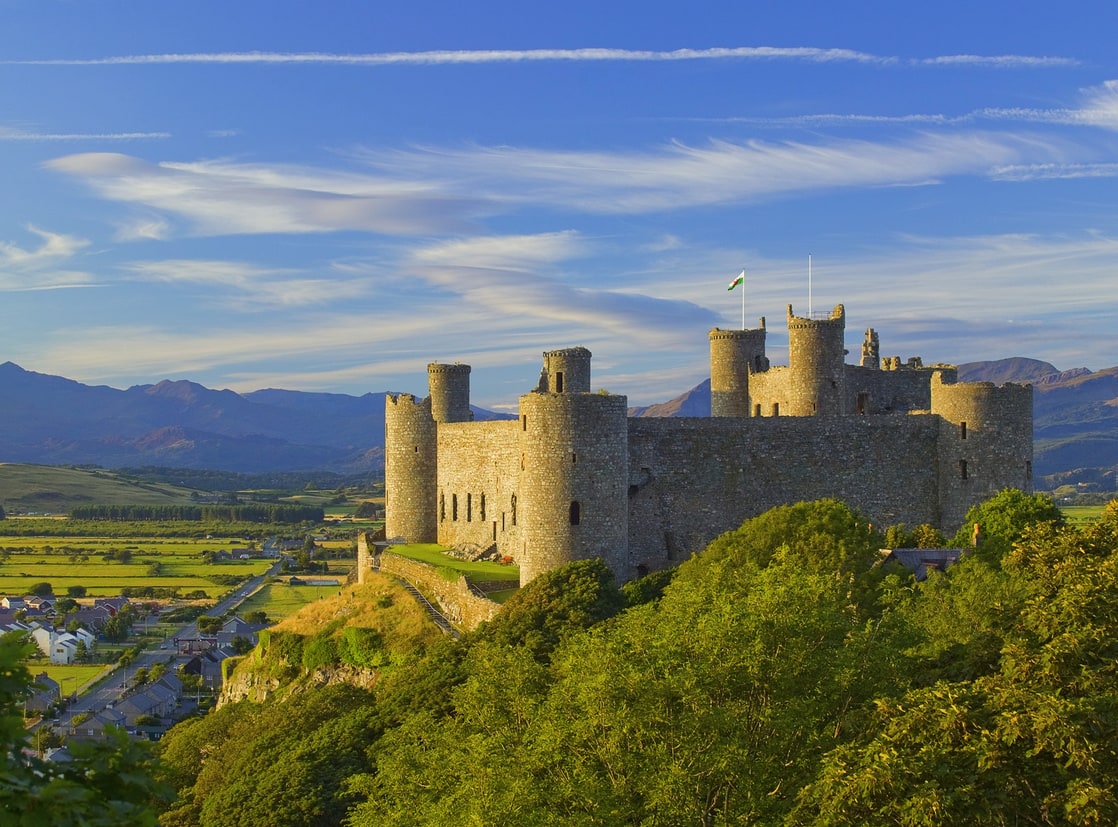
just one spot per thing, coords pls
(113, 688)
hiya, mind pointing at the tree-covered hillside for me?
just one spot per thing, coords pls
(783, 676)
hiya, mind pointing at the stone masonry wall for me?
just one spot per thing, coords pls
(479, 469)
(693, 479)
(456, 601)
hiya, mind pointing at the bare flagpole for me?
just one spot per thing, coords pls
(809, 285)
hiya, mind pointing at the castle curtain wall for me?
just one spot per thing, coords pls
(693, 479)
(479, 469)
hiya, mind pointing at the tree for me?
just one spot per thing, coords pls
(105, 785)
(75, 591)
(1002, 519)
(43, 589)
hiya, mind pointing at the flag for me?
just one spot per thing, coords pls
(739, 280)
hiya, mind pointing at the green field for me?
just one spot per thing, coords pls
(46, 489)
(1081, 514)
(278, 599)
(80, 562)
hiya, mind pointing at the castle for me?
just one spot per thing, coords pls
(574, 477)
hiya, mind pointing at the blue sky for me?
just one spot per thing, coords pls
(328, 196)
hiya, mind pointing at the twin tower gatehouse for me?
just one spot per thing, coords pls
(574, 477)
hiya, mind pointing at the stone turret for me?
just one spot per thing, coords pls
(574, 475)
(410, 469)
(449, 386)
(986, 442)
(816, 364)
(566, 371)
(734, 355)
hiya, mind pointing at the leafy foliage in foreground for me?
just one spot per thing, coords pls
(781, 677)
(107, 784)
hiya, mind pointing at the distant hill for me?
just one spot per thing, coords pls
(50, 420)
(51, 490)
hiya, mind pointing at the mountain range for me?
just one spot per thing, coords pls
(50, 420)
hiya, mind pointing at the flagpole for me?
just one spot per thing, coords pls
(809, 285)
(743, 299)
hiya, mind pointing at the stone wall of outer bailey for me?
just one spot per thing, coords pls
(995, 449)
(479, 465)
(574, 449)
(409, 469)
(733, 354)
(458, 604)
(693, 479)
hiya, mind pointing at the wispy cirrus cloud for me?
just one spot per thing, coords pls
(443, 191)
(226, 198)
(11, 134)
(42, 267)
(247, 287)
(721, 172)
(486, 56)
(515, 277)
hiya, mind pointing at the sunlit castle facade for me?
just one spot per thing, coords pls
(574, 477)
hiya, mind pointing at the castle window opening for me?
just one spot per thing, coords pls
(481, 510)
(757, 409)
(962, 469)
(574, 457)
(776, 409)
(469, 508)
(862, 404)
(962, 430)
(524, 422)
(494, 531)
(575, 512)
(417, 449)
(454, 507)
(442, 508)
(502, 521)
(514, 510)
(558, 381)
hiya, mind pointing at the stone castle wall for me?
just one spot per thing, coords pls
(478, 477)
(694, 479)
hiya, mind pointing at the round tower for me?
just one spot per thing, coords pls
(985, 442)
(734, 354)
(816, 365)
(566, 371)
(410, 466)
(574, 481)
(449, 386)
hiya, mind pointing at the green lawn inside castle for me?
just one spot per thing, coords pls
(573, 477)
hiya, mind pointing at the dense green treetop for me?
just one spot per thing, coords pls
(781, 677)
